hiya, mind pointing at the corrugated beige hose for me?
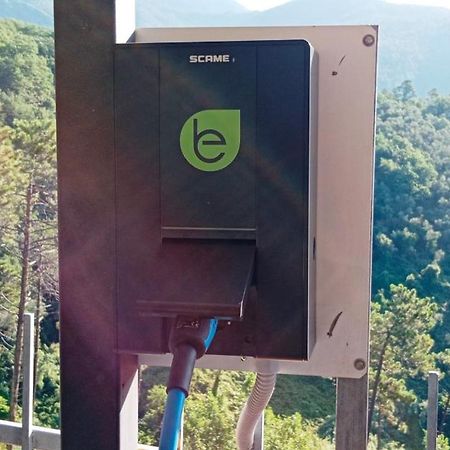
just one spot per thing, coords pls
(257, 402)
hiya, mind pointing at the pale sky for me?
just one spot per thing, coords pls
(443, 3)
(261, 5)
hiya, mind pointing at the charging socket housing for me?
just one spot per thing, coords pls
(216, 187)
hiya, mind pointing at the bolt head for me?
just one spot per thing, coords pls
(369, 40)
(359, 364)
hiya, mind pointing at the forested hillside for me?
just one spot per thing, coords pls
(411, 273)
(28, 259)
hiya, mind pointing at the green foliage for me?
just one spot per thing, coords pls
(46, 408)
(10, 176)
(374, 445)
(4, 408)
(294, 393)
(411, 223)
(150, 423)
(47, 387)
(401, 349)
(5, 367)
(212, 410)
(442, 443)
(411, 241)
(29, 159)
(210, 422)
(26, 78)
(291, 433)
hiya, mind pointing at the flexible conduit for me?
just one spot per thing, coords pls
(253, 409)
(187, 343)
(171, 425)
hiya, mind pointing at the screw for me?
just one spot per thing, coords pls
(369, 40)
(188, 324)
(359, 364)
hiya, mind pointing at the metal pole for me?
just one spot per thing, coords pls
(28, 381)
(85, 34)
(432, 409)
(351, 413)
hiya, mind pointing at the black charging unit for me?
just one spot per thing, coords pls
(215, 194)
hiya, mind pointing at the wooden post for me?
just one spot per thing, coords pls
(351, 413)
(85, 34)
(432, 409)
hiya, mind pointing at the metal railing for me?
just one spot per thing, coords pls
(25, 434)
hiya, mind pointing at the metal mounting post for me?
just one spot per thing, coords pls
(28, 382)
(91, 377)
(351, 413)
(432, 409)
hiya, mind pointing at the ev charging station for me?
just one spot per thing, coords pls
(215, 173)
(220, 174)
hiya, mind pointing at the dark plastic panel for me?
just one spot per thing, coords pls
(268, 190)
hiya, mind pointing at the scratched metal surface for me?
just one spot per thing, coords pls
(346, 114)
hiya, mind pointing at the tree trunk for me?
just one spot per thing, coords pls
(14, 394)
(376, 382)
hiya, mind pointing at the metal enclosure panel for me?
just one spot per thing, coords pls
(346, 116)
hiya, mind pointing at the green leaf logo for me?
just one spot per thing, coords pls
(210, 139)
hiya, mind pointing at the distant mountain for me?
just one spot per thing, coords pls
(39, 12)
(414, 40)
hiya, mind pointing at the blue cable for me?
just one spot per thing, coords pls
(170, 431)
(173, 412)
(212, 333)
